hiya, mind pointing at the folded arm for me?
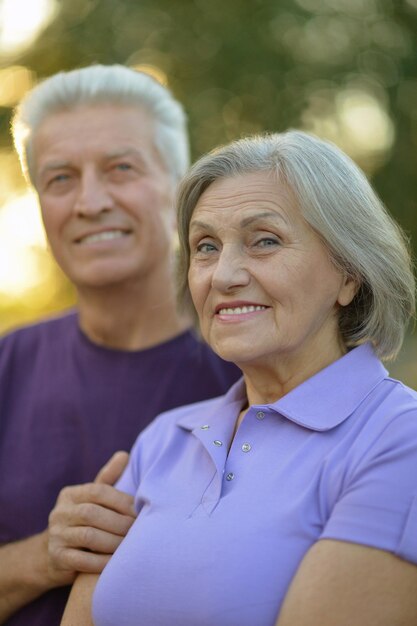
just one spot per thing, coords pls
(85, 527)
(78, 608)
(340, 583)
(25, 573)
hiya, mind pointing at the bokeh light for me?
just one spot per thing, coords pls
(355, 119)
(21, 22)
(21, 233)
(156, 72)
(14, 83)
(343, 69)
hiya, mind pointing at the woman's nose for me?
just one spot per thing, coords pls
(231, 270)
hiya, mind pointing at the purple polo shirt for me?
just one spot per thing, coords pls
(220, 534)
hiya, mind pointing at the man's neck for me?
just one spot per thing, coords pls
(130, 317)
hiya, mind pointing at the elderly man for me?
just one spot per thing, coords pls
(104, 148)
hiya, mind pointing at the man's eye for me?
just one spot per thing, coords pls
(59, 178)
(123, 166)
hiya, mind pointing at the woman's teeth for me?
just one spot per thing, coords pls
(241, 309)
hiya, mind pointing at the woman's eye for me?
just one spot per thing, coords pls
(267, 242)
(123, 166)
(205, 247)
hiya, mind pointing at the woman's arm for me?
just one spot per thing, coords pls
(78, 609)
(340, 583)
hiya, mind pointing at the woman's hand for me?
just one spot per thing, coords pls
(78, 609)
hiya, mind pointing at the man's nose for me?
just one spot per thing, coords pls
(231, 271)
(93, 197)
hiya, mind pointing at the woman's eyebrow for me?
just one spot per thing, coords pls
(199, 224)
(245, 222)
(259, 216)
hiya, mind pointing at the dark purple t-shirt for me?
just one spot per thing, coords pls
(66, 405)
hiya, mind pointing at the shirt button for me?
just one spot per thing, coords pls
(217, 442)
(205, 427)
(246, 447)
(260, 415)
(230, 476)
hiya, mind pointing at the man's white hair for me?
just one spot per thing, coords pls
(101, 84)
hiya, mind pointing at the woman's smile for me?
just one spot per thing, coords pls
(238, 311)
(262, 281)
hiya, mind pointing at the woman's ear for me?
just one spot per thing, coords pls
(348, 290)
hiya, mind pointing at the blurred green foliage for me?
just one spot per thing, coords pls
(243, 66)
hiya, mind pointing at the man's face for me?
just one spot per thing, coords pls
(105, 194)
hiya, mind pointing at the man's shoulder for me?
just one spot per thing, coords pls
(199, 353)
(28, 336)
(203, 370)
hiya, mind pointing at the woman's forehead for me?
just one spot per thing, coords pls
(255, 192)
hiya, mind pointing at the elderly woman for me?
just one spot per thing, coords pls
(291, 500)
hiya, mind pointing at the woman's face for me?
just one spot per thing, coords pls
(261, 280)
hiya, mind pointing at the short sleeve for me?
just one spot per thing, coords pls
(129, 480)
(145, 449)
(378, 503)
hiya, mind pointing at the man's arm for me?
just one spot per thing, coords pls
(86, 525)
(25, 574)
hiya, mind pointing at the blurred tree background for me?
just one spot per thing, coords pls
(344, 69)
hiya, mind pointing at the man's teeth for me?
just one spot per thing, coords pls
(104, 236)
(241, 309)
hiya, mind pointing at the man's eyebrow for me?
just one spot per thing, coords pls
(122, 152)
(57, 165)
(54, 165)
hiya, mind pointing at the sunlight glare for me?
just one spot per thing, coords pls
(156, 72)
(15, 81)
(21, 233)
(22, 21)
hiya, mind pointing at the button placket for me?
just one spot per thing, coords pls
(215, 447)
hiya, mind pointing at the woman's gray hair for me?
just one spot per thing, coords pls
(337, 200)
(104, 84)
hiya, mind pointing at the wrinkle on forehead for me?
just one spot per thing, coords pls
(260, 192)
(107, 129)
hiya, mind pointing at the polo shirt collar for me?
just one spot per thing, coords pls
(218, 410)
(329, 397)
(320, 403)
